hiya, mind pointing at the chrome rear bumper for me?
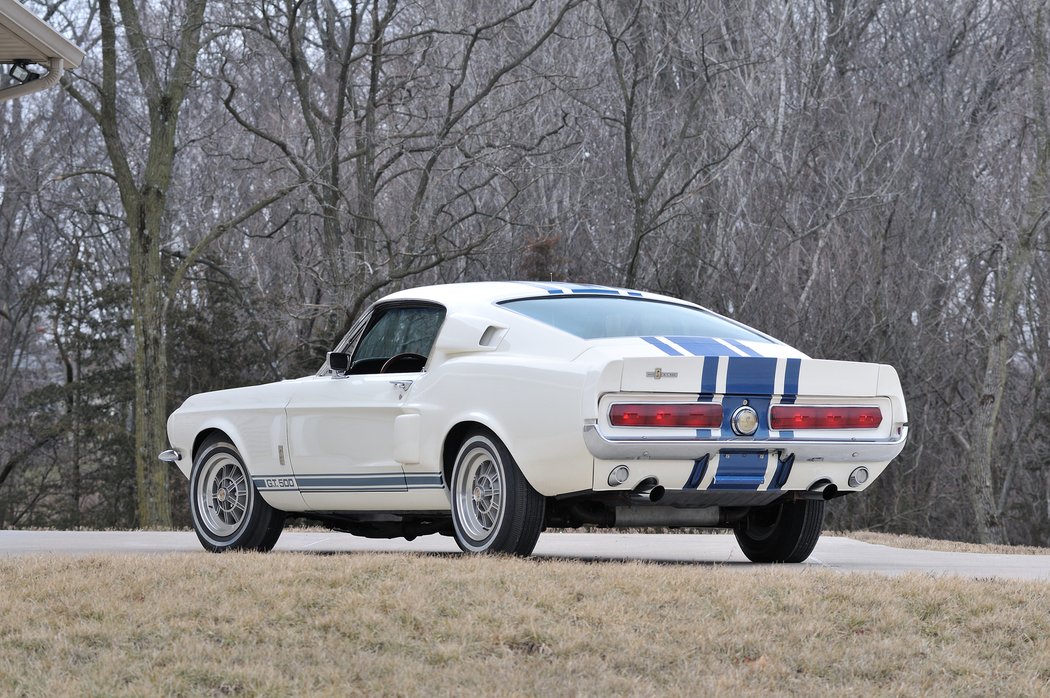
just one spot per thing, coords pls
(854, 451)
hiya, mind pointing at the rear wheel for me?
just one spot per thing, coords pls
(228, 512)
(494, 508)
(785, 532)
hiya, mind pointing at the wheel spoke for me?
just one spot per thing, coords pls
(223, 494)
(478, 493)
(490, 513)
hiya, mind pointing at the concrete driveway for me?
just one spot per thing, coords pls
(832, 552)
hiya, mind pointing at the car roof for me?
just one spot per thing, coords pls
(464, 296)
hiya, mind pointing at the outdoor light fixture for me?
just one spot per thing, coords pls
(21, 74)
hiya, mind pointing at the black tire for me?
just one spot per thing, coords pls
(785, 532)
(228, 512)
(494, 508)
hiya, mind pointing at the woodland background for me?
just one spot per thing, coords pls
(222, 187)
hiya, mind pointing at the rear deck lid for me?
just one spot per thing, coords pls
(747, 375)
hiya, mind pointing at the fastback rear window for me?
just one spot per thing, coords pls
(591, 317)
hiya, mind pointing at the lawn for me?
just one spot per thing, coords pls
(416, 624)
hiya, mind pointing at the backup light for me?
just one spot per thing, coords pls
(797, 417)
(694, 415)
(858, 477)
(619, 475)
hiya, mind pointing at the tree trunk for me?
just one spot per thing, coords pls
(143, 196)
(151, 368)
(1012, 282)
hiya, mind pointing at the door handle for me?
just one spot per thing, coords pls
(402, 385)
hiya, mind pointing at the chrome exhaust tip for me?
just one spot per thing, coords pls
(648, 490)
(824, 488)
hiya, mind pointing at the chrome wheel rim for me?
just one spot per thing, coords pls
(223, 494)
(479, 492)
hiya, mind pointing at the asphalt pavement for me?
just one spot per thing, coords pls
(832, 552)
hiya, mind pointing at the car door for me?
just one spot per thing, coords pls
(341, 425)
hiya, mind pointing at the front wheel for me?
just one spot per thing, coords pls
(228, 512)
(785, 532)
(494, 508)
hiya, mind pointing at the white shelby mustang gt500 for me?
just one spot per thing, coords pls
(489, 411)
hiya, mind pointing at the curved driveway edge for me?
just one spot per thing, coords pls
(832, 552)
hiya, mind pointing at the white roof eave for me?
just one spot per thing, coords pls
(24, 37)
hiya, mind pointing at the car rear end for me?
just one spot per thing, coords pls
(693, 419)
(745, 430)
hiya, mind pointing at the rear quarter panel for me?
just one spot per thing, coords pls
(535, 405)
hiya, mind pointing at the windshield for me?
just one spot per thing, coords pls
(591, 317)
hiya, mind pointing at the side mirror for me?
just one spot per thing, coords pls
(339, 362)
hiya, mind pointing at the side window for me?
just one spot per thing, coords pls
(396, 332)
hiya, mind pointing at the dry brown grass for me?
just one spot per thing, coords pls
(894, 540)
(403, 624)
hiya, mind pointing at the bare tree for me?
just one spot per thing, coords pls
(863, 178)
(164, 66)
(1015, 257)
(398, 110)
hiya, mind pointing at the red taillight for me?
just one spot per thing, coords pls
(691, 414)
(811, 417)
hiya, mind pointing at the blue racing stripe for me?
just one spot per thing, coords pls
(697, 474)
(606, 291)
(549, 288)
(308, 482)
(791, 381)
(703, 346)
(708, 378)
(740, 470)
(665, 348)
(750, 376)
(791, 372)
(422, 481)
(556, 287)
(743, 347)
(355, 482)
(782, 472)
